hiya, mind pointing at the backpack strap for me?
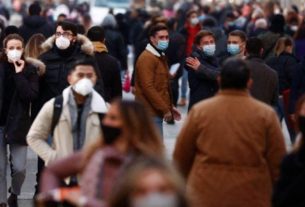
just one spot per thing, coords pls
(58, 103)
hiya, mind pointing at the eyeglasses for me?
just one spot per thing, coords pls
(64, 34)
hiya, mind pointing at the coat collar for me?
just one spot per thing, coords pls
(152, 50)
(40, 66)
(98, 104)
(86, 45)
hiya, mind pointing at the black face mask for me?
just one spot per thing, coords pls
(110, 134)
(302, 124)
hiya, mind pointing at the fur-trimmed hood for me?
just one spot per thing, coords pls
(86, 45)
(40, 66)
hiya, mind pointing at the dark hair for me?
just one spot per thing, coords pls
(300, 33)
(156, 28)
(96, 34)
(235, 74)
(201, 34)
(81, 29)
(89, 61)
(238, 33)
(35, 9)
(190, 12)
(68, 26)
(277, 23)
(62, 15)
(254, 46)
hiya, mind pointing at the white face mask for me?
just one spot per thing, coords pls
(62, 42)
(83, 87)
(14, 55)
(194, 21)
(156, 200)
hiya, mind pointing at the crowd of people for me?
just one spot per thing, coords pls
(61, 94)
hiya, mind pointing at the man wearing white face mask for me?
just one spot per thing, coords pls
(78, 122)
(202, 68)
(152, 78)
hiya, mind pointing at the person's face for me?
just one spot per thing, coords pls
(192, 16)
(151, 181)
(14, 45)
(207, 40)
(113, 117)
(160, 35)
(65, 33)
(237, 40)
(302, 110)
(80, 72)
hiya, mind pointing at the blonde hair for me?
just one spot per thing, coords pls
(33, 47)
(282, 44)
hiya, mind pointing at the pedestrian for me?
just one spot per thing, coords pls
(152, 78)
(33, 47)
(265, 79)
(72, 119)
(149, 182)
(288, 190)
(299, 40)
(115, 41)
(269, 39)
(19, 86)
(236, 45)
(108, 65)
(35, 23)
(128, 131)
(202, 68)
(228, 160)
(190, 30)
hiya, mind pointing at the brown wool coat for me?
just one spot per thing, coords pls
(152, 82)
(230, 149)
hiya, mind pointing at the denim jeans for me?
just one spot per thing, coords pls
(17, 159)
(159, 125)
(184, 84)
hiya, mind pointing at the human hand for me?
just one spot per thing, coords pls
(176, 114)
(19, 66)
(168, 116)
(193, 63)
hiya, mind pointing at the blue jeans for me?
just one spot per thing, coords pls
(159, 125)
(184, 84)
(17, 159)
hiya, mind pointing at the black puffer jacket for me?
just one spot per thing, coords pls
(15, 109)
(58, 64)
(33, 25)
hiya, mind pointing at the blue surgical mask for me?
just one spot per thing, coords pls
(209, 50)
(233, 49)
(162, 45)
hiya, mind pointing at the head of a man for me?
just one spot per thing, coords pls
(96, 34)
(34, 9)
(159, 37)
(65, 35)
(235, 74)
(236, 43)
(254, 47)
(83, 76)
(205, 41)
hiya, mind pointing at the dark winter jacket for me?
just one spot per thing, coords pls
(203, 83)
(265, 81)
(33, 25)
(58, 66)
(298, 86)
(110, 72)
(25, 89)
(284, 65)
(116, 46)
(289, 190)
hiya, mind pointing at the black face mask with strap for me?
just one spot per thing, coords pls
(111, 134)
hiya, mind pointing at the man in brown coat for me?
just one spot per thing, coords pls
(231, 145)
(152, 78)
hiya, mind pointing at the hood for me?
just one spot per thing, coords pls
(86, 45)
(109, 21)
(40, 66)
(34, 21)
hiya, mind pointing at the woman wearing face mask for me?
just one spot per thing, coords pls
(129, 131)
(149, 182)
(289, 190)
(18, 88)
(202, 68)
